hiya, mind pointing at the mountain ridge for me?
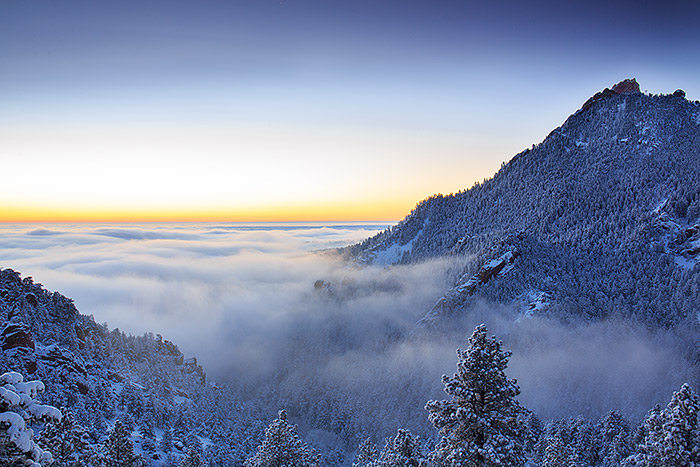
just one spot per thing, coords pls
(614, 179)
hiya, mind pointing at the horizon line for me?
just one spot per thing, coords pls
(205, 221)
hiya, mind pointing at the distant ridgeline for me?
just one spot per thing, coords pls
(601, 218)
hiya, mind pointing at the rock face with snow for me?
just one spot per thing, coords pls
(17, 335)
(604, 214)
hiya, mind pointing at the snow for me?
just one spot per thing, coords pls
(16, 398)
(44, 412)
(11, 377)
(17, 430)
(8, 397)
(535, 302)
(672, 228)
(179, 399)
(394, 253)
(685, 263)
(31, 388)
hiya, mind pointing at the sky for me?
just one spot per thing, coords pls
(301, 110)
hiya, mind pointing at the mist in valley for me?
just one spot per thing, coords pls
(276, 314)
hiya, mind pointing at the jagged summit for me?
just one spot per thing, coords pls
(626, 86)
(602, 214)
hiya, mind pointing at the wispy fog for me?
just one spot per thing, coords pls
(245, 300)
(199, 285)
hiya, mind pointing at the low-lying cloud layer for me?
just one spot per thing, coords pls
(196, 284)
(242, 299)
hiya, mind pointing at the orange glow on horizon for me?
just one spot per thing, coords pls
(323, 212)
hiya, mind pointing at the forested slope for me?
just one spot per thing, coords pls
(602, 217)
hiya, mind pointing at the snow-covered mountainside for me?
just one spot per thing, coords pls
(604, 215)
(105, 376)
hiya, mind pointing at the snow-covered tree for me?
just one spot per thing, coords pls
(192, 459)
(559, 454)
(673, 434)
(282, 447)
(581, 435)
(367, 454)
(614, 439)
(17, 408)
(148, 436)
(403, 450)
(166, 441)
(66, 440)
(119, 448)
(481, 425)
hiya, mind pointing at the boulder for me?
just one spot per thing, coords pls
(17, 335)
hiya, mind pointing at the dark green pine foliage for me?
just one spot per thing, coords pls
(672, 435)
(66, 440)
(403, 450)
(367, 454)
(192, 459)
(481, 425)
(119, 450)
(282, 447)
(614, 434)
(559, 454)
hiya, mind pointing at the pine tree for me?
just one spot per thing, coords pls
(119, 448)
(367, 454)
(166, 441)
(481, 426)
(18, 406)
(614, 439)
(403, 450)
(149, 437)
(559, 454)
(66, 440)
(192, 459)
(672, 435)
(282, 447)
(582, 438)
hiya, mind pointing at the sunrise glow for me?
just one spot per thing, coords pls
(271, 111)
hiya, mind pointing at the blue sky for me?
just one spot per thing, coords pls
(238, 108)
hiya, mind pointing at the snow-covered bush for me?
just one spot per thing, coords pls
(17, 409)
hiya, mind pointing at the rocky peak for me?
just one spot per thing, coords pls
(626, 86)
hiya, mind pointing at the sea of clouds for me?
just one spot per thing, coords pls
(195, 283)
(241, 297)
